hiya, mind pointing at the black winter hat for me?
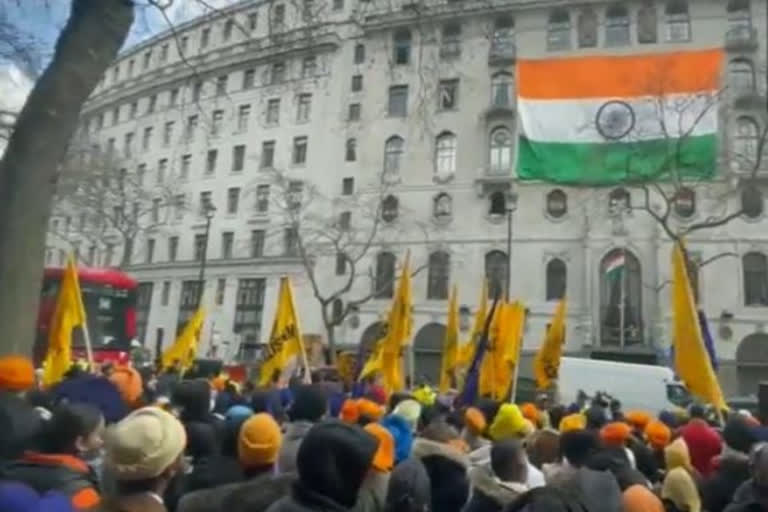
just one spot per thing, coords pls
(309, 403)
(739, 435)
(409, 488)
(333, 460)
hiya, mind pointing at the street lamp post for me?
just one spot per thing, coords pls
(208, 210)
(511, 207)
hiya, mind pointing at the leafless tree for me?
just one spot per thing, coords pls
(319, 230)
(89, 42)
(113, 203)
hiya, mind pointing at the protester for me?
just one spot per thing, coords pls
(497, 486)
(704, 443)
(308, 408)
(17, 374)
(258, 445)
(73, 434)
(752, 495)
(410, 410)
(373, 493)
(598, 490)
(332, 461)
(731, 468)
(129, 383)
(349, 413)
(143, 454)
(446, 466)
(409, 488)
(474, 428)
(402, 434)
(679, 490)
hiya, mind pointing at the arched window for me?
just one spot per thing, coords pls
(442, 206)
(647, 23)
(741, 74)
(685, 202)
(739, 17)
(556, 279)
(498, 200)
(678, 21)
(559, 30)
(445, 153)
(501, 151)
(755, 267)
(557, 203)
(617, 25)
(385, 275)
(393, 154)
(745, 144)
(501, 89)
(752, 203)
(439, 274)
(351, 150)
(619, 200)
(402, 46)
(496, 268)
(586, 26)
(389, 208)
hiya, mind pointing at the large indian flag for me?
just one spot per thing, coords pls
(603, 120)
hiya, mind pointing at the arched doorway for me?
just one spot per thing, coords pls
(752, 362)
(621, 299)
(427, 351)
(370, 336)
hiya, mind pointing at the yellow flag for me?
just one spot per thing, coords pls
(504, 341)
(285, 343)
(184, 349)
(450, 344)
(467, 350)
(691, 359)
(68, 314)
(546, 364)
(386, 358)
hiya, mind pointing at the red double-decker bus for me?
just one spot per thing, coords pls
(109, 297)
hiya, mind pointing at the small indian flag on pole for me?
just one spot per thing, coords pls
(615, 266)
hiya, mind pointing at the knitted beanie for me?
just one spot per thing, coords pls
(259, 441)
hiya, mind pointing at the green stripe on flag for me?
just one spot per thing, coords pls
(606, 163)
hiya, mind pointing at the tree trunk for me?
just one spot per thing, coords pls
(330, 333)
(125, 260)
(94, 33)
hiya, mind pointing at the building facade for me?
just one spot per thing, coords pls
(343, 95)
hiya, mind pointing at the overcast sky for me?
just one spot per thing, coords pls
(42, 21)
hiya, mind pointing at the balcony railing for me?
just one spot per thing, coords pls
(503, 50)
(741, 38)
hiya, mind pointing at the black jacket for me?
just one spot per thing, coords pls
(332, 462)
(447, 469)
(745, 499)
(489, 494)
(718, 489)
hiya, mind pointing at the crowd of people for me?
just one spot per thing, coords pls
(130, 441)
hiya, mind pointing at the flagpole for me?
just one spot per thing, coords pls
(88, 346)
(622, 305)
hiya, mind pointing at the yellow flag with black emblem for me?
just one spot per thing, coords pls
(546, 364)
(285, 342)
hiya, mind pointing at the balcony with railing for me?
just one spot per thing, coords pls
(741, 38)
(503, 50)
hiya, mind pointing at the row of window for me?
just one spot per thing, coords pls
(278, 72)
(616, 24)
(249, 304)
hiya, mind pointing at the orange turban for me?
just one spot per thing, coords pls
(658, 434)
(219, 383)
(349, 412)
(615, 434)
(369, 409)
(474, 419)
(16, 373)
(385, 453)
(128, 382)
(638, 419)
(530, 412)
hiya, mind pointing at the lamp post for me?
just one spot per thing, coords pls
(511, 207)
(208, 210)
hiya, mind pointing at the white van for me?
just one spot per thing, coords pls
(636, 386)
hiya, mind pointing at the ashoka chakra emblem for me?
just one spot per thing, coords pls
(615, 119)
